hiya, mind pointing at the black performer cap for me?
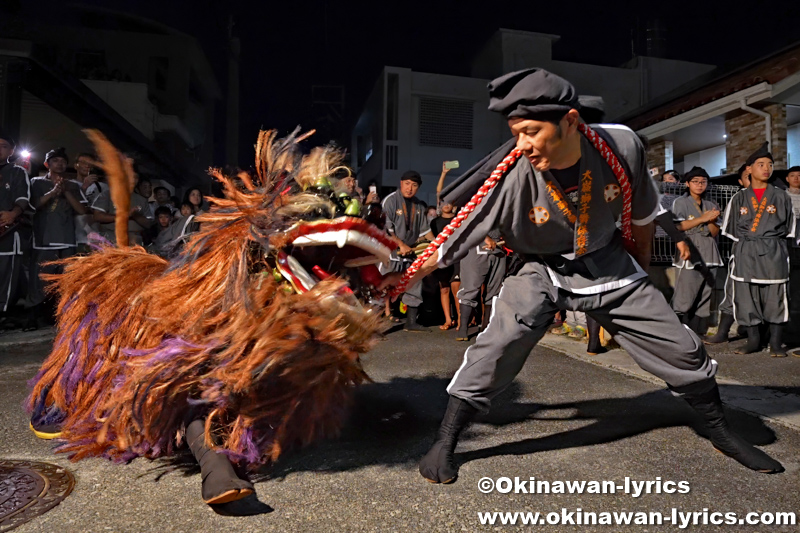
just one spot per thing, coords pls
(593, 108)
(532, 94)
(793, 169)
(696, 172)
(57, 152)
(411, 175)
(763, 151)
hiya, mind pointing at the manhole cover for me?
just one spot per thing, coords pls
(29, 489)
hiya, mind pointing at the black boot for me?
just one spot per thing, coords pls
(487, 314)
(466, 316)
(32, 319)
(593, 331)
(411, 320)
(753, 341)
(725, 323)
(220, 482)
(438, 465)
(709, 406)
(775, 343)
(699, 324)
(46, 421)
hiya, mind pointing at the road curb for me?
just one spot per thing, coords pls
(780, 407)
(16, 339)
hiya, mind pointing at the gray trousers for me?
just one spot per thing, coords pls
(477, 269)
(10, 268)
(638, 317)
(36, 285)
(692, 294)
(413, 296)
(756, 303)
(726, 305)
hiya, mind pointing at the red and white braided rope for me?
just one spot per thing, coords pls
(622, 178)
(465, 211)
(494, 178)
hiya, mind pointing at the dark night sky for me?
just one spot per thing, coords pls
(289, 45)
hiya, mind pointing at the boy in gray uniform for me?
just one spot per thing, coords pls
(575, 260)
(484, 264)
(140, 217)
(697, 218)
(14, 197)
(57, 201)
(407, 223)
(725, 307)
(759, 220)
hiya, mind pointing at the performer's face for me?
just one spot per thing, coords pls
(56, 165)
(408, 188)
(793, 179)
(761, 169)
(698, 185)
(6, 150)
(545, 144)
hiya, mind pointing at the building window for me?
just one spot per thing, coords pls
(445, 122)
(391, 157)
(392, 104)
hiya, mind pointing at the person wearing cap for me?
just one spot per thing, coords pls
(56, 200)
(697, 217)
(725, 307)
(759, 219)
(576, 259)
(407, 224)
(14, 200)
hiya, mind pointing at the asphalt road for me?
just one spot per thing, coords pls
(563, 419)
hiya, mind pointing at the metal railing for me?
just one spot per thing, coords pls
(663, 247)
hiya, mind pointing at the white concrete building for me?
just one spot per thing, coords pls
(415, 120)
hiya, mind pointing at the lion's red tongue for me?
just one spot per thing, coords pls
(371, 275)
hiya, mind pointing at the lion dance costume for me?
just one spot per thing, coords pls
(244, 344)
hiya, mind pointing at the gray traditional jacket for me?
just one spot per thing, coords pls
(581, 245)
(759, 231)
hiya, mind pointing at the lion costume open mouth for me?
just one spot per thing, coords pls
(322, 248)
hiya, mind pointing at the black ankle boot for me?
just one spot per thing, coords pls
(466, 316)
(220, 482)
(709, 406)
(487, 314)
(46, 421)
(593, 332)
(775, 342)
(725, 323)
(753, 341)
(411, 320)
(438, 465)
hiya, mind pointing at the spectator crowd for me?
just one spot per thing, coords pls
(53, 216)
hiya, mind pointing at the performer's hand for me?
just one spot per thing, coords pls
(489, 243)
(404, 249)
(711, 215)
(684, 251)
(7, 217)
(390, 280)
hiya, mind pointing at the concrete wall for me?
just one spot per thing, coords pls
(42, 128)
(713, 160)
(747, 131)
(793, 145)
(129, 100)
